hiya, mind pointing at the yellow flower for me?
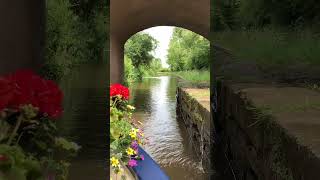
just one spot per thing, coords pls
(135, 130)
(139, 142)
(133, 135)
(114, 162)
(130, 151)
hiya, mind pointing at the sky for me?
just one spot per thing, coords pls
(163, 35)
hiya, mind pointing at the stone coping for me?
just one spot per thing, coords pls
(295, 109)
(201, 95)
(281, 124)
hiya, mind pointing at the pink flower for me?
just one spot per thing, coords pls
(132, 163)
(142, 157)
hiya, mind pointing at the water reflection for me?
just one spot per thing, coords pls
(84, 120)
(155, 103)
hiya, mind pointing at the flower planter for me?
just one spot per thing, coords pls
(125, 138)
(29, 106)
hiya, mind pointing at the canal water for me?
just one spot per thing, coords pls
(84, 120)
(168, 141)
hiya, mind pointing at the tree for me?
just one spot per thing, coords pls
(188, 51)
(139, 47)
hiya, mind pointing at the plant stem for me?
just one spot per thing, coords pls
(19, 138)
(114, 102)
(15, 130)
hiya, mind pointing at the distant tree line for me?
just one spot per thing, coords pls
(188, 51)
(250, 14)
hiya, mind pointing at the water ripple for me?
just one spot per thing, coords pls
(168, 139)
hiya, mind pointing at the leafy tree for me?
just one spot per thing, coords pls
(139, 47)
(188, 51)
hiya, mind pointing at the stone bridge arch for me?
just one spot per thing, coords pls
(128, 17)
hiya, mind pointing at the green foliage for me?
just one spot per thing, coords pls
(194, 76)
(64, 144)
(29, 143)
(224, 14)
(122, 133)
(139, 47)
(130, 73)
(271, 48)
(281, 37)
(18, 166)
(188, 51)
(63, 47)
(155, 65)
(72, 36)
(52, 71)
(238, 14)
(86, 9)
(136, 74)
(139, 62)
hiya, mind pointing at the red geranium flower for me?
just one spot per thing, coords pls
(3, 158)
(25, 87)
(49, 99)
(118, 89)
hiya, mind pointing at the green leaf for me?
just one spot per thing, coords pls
(67, 145)
(4, 130)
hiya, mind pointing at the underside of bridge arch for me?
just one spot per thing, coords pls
(131, 16)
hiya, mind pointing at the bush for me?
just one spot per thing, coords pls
(136, 74)
(63, 47)
(130, 73)
(52, 71)
(71, 39)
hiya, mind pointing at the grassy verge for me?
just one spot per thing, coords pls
(194, 76)
(269, 47)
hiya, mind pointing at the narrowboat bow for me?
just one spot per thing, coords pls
(148, 169)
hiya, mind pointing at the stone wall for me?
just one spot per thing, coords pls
(197, 120)
(255, 145)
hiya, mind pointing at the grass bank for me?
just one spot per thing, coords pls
(194, 76)
(270, 47)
